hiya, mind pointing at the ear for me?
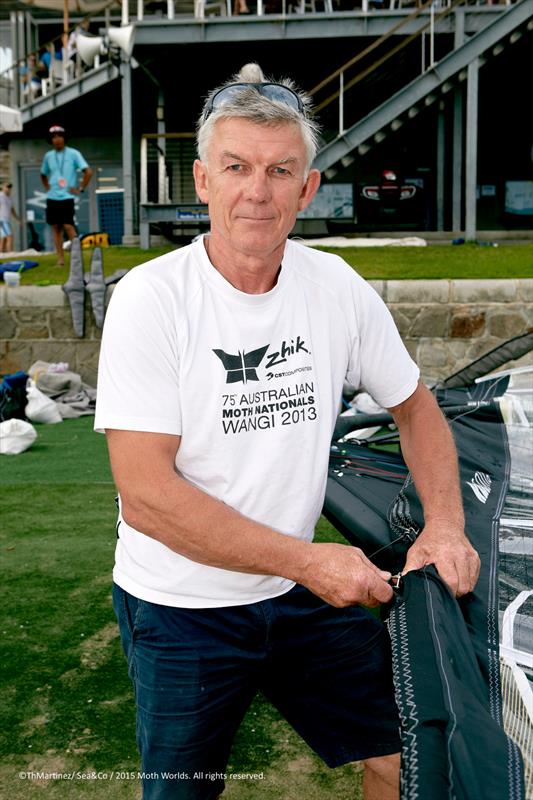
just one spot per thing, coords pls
(309, 190)
(200, 180)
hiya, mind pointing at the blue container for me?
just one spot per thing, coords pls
(110, 205)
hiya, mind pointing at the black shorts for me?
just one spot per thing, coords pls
(327, 670)
(60, 212)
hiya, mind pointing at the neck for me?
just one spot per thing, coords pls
(245, 271)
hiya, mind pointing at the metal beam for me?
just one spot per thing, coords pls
(16, 56)
(337, 24)
(457, 143)
(471, 150)
(127, 155)
(457, 155)
(440, 167)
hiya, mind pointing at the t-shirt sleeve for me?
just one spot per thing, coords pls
(79, 161)
(379, 363)
(138, 372)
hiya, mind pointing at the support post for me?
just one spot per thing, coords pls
(15, 77)
(432, 35)
(457, 174)
(28, 31)
(127, 156)
(457, 159)
(440, 166)
(341, 104)
(144, 227)
(21, 53)
(471, 149)
(162, 183)
(143, 195)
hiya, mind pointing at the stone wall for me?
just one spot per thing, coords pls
(445, 324)
(448, 323)
(35, 323)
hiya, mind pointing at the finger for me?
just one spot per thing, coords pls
(464, 580)
(381, 592)
(467, 569)
(413, 562)
(474, 565)
(449, 575)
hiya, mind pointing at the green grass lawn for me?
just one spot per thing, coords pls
(66, 699)
(375, 263)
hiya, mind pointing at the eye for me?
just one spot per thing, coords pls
(280, 171)
(235, 167)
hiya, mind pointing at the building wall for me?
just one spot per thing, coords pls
(445, 324)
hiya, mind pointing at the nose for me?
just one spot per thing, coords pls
(259, 187)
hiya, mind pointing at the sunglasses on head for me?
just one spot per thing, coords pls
(275, 92)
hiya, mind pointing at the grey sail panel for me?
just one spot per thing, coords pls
(445, 652)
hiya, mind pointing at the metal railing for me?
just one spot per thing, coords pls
(23, 82)
(17, 90)
(427, 27)
(166, 162)
(13, 85)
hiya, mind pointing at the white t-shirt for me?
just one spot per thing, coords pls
(6, 204)
(252, 383)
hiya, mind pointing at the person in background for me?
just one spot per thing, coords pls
(59, 175)
(72, 45)
(51, 52)
(240, 7)
(31, 82)
(6, 212)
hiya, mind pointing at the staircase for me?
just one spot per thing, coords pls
(93, 79)
(423, 91)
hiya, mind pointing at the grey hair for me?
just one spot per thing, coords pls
(252, 106)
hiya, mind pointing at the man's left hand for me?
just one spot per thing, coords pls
(445, 545)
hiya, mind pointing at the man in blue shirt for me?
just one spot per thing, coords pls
(59, 175)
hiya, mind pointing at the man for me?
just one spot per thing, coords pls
(221, 371)
(59, 175)
(72, 46)
(6, 212)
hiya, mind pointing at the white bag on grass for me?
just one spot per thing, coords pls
(16, 435)
(41, 408)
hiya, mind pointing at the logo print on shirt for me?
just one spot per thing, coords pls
(242, 367)
(287, 349)
(481, 485)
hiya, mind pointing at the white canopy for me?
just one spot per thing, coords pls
(75, 6)
(10, 120)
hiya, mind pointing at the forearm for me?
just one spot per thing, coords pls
(87, 174)
(206, 530)
(159, 503)
(429, 452)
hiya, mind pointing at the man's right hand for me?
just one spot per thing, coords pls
(343, 576)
